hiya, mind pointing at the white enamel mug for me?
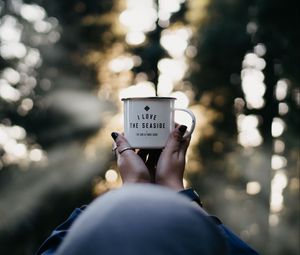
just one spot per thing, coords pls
(148, 121)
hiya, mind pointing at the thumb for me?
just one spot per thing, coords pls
(184, 146)
(175, 139)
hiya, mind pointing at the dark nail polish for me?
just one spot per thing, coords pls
(182, 129)
(114, 135)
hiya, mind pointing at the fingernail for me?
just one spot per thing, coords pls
(182, 129)
(114, 135)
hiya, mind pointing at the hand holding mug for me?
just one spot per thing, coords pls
(131, 166)
(164, 168)
(171, 164)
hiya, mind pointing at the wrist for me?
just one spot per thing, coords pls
(176, 185)
(192, 195)
(135, 178)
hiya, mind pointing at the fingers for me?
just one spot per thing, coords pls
(176, 143)
(121, 143)
(184, 146)
(132, 168)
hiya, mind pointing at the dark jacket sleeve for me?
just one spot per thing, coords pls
(236, 246)
(57, 236)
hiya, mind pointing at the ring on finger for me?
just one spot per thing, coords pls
(125, 149)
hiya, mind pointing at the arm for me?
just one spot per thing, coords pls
(236, 245)
(57, 236)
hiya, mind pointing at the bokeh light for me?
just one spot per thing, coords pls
(23, 28)
(278, 184)
(253, 188)
(139, 18)
(249, 135)
(278, 126)
(145, 88)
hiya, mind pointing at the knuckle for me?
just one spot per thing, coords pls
(119, 142)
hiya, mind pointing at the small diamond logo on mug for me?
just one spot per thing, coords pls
(147, 108)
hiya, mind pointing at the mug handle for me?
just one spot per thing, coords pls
(193, 120)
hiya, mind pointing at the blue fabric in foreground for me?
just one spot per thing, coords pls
(236, 245)
(57, 236)
(142, 219)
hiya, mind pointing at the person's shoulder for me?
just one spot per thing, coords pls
(236, 245)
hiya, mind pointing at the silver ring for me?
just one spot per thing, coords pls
(125, 149)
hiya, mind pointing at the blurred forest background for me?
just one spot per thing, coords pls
(64, 65)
